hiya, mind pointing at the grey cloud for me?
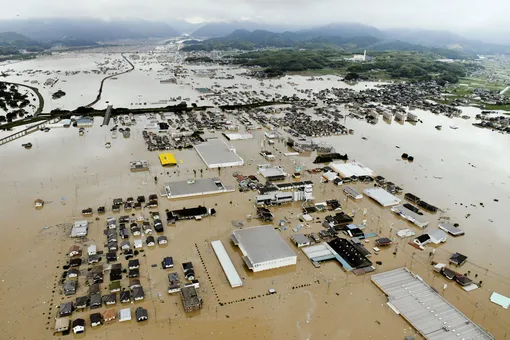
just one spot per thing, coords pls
(436, 14)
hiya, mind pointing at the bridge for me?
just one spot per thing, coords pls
(28, 130)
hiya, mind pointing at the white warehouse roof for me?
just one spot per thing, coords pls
(261, 245)
(425, 309)
(381, 196)
(226, 263)
(351, 169)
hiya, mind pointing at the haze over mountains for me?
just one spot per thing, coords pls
(90, 31)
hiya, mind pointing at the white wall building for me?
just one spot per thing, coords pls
(263, 248)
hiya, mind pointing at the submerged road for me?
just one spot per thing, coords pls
(98, 98)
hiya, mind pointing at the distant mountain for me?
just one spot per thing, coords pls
(424, 37)
(347, 30)
(13, 37)
(246, 40)
(222, 29)
(88, 29)
(14, 43)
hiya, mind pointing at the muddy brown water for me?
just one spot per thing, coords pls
(72, 172)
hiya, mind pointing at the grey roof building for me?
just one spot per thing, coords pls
(263, 248)
(414, 300)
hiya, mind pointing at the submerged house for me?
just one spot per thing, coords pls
(81, 302)
(125, 296)
(96, 319)
(65, 309)
(78, 326)
(190, 299)
(141, 314)
(70, 287)
(62, 324)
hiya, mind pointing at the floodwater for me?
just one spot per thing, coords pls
(71, 172)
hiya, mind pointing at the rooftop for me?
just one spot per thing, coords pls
(381, 196)
(416, 302)
(196, 187)
(167, 159)
(262, 244)
(217, 154)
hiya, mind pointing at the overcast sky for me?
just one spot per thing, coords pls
(456, 15)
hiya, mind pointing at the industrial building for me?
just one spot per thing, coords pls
(263, 248)
(272, 173)
(425, 309)
(381, 196)
(238, 136)
(217, 154)
(196, 187)
(410, 215)
(226, 264)
(346, 170)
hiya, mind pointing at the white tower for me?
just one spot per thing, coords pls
(365, 55)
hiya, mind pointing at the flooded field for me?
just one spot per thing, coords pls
(454, 169)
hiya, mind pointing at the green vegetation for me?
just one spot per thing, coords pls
(385, 65)
(16, 44)
(198, 60)
(278, 62)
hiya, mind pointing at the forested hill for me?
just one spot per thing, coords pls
(258, 39)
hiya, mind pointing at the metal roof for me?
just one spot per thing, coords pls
(262, 244)
(410, 215)
(425, 309)
(318, 252)
(226, 263)
(381, 196)
(167, 159)
(197, 186)
(216, 153)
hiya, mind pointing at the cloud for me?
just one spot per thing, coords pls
(436, 14)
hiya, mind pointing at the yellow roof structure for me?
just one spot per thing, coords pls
(167, 159)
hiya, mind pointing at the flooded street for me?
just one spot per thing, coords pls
(454, 169)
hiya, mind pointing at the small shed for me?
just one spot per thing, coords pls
(125, 314)
(78, 326)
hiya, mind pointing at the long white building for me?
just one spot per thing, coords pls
(263, 248)
(226, 264)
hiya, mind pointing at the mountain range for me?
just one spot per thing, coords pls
(74, 32)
